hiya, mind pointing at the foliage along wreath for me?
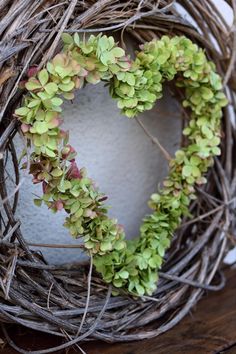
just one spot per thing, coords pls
(136, 85)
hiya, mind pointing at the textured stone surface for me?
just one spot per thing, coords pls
(124, 162)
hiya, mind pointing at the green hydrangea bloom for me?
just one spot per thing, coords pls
(136, 85)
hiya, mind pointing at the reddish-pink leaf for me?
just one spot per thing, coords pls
(32, 71)
(73, 171)
(25, 127)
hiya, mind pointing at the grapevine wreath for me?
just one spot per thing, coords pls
(161, 274)
(136, 85)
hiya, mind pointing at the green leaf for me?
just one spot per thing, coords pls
(199, 58)
(43, 77)
(75, 207)
(195, 160)
(37, 140)
(207, 132)
(142, 262)
(124, 274)
(140, 289)
(40, 127)
(51, 88)
(65, 185)
(50, 67)
(56, 101)
(119, 245)
(38, 202)
(152, 263)
(87, 49)
(206, 93)
(196, 171)
(67, 87)
(89, 244)
(33, 84)
(52, 143)
(120, 75)
(106, 246)
(147, 253)
(34, 103)
(67, 38)
(63, 72)
(76, 39)
(155, 197)
(118, 283)
(162, 58)
(50, 153)
(130, 78)
(187, 171)
(155, 261)
(69, 95)
(146, 95)
(93, 78)
(196, 98)
(161, 250)
(111, 42)
(216, 151)
(22, 111)
(48, 116)
(56, 172)
(43, 95)
(215, 81)
(124, 64)
(107, 58)
(79, 213)
(75, 192)
(103, 43)
(117, 52)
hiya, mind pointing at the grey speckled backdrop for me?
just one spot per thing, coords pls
(124, 162)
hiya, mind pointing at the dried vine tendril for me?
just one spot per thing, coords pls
(136, 85)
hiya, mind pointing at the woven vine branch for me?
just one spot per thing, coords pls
(72, 301)
(136, 85)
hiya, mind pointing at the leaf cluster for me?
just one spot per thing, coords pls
(136, 85)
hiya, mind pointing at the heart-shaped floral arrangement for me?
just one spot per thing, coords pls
(136, 85)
